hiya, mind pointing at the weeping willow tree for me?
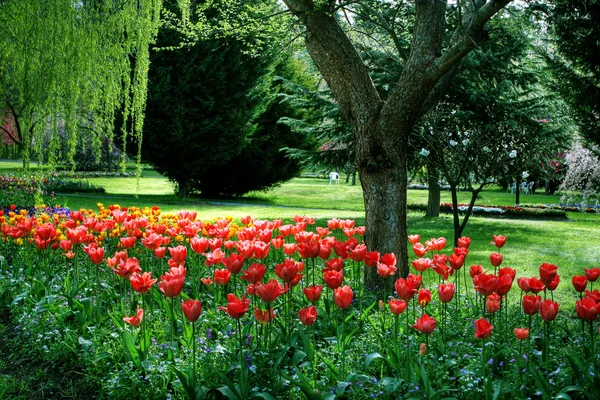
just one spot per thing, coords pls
(70, 65)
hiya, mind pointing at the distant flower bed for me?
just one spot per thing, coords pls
(499, 211)
(588, 208)
(92, 174)
(443, 187)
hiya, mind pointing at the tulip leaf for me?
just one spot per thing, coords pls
(262, 395)
(329, 364)
(298, 356)
(132, 350)
(304, 385)
(350, 336)
(563, 396)
(366, 311)
(541, 383)
(372, 357)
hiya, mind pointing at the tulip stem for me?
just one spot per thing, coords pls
(194, 355)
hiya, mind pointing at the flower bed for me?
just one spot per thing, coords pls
(498, 211)
(168, 306)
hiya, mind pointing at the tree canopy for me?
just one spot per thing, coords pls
(64, 63)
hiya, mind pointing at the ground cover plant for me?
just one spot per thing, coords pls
(161, 305)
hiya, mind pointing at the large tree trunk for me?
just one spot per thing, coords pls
(433, 181)
(381, 128)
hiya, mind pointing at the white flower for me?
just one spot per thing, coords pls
(486, 149)
(525, 174)
(424, 152)
(453, 143)
(512, 154)
(465, 142)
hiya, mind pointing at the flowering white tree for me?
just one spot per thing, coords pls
(583, 174)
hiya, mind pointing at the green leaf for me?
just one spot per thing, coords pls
(132, 350)
(262, 395)
(329, 364)
(84, 342)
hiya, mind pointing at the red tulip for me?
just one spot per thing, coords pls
(45, 232)
(397, 307)
(222, 276)
(385, 270)
(504, 284)
(308, 315)
(461, 251)
(406, 288)
(425, 324)
(485, 284)
(135, 320)
(524, 284)
(128, 242)
(464, 242)
(414, 238)
(359, 252)
(254, 273)
(499, 241)
(579, 283)
(371, 258)
(592, 274)
(535, 285)
(333, 279)
(199, 244)
(422, 264)
(236, 308)
(261, 250)
(206, 281)
(340, 249)
(142, 283)
(419, 249)
(594, 294)
(342, 297)
(309, 249)
(587, 309)
(531, 304)
(96, 254)
(214, 258)
(552, 285)
(264, 317)
(507, 271)
(483, 329)
(547, 272)
(290, 248)
(287, 270)
(548, 310)
(522, 333)
(492, 303)
(335, 264)
(475, 270)
(191, 309)
(436, 244)
(456, 261)
(269, 291)
(424, 297)
(446, 292)
(171, 283)
(234, 263)
(313, 293)
(496, 259)
(160, 252)
(388, 259)
(178, 254)
(325, 249)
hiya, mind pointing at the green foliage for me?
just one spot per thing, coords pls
(573, 58)
(211, 104)
(64, 65)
